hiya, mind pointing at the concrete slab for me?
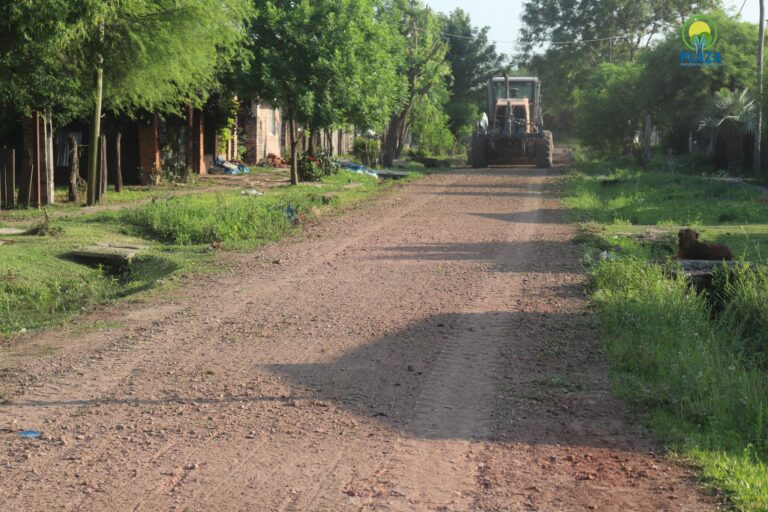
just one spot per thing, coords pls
(112, 255)
(12, 231)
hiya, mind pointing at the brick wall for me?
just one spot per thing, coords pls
(149, 151)
(263, 127)
(251, 125)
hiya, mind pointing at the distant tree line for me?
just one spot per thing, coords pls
(605, 66)
(389, 66)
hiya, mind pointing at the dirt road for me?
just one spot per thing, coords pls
(431, 351)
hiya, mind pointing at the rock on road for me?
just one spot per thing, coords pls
(428, 351)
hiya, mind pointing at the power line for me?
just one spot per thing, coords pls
(742, 8)
(554, 43)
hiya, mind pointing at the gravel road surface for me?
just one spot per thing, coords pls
(431, 350)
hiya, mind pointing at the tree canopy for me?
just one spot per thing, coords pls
(423, 67)
(473, 60)
(614, 99)
(563, 41)
(324, 62)
(157, 54)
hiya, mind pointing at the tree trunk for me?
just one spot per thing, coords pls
(759, 131)
(48, 146)
(189, 154)
(37, 185)
(93, 148)
(392, 144)
(25, 180)
(74, 170)
(647, 143)
(395, 139)
(329, 140)
(9, 179)
(103, 173)
(733, 149)
(294, 152)
(118, 163)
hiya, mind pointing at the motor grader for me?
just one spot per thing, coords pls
(512, 131)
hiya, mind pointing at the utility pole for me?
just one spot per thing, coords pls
(759, 134)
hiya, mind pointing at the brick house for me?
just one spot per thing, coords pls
(149, 143)
(337, 141)
(263, 131)
(141, 148)
(183, 139)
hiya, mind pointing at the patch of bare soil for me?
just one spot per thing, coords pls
(431, 351)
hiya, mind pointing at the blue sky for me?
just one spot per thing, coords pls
(503, 16)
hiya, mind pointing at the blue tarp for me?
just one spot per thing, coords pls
(226, 167)
(358, 168)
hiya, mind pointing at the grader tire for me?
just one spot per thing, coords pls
(478, 153)
(545, 151)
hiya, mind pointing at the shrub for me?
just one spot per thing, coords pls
(188, 220)
(45, 227)
(366, 151)
(315, 168)
(177, 173)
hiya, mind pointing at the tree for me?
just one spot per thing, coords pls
(323, 62)
(607, 117)
(423, 66)
(473, 60)
(562, 41)
(153, 55)
(734, 114)
(615, 30)
(36, 60)
(431, 123)
(676, 95)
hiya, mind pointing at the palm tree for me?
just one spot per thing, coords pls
(734, 114)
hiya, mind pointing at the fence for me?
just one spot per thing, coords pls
(7, 178)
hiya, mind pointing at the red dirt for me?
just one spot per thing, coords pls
(431, 351)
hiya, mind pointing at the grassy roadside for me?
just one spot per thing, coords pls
(130, 194)
(695, 365)
(40, 287)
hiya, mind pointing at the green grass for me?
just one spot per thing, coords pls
(62, 206)
(694, 364)
(40, 287)
(238, 220)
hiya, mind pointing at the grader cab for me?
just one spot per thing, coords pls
(512, 131)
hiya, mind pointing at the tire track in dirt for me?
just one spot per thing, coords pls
(388, 362)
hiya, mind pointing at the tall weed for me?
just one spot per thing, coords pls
(699, 380)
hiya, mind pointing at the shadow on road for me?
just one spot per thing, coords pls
(484, 252)
(533, 378)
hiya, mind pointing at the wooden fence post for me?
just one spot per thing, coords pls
(74, 170)
(7, 177)
(36, 183)
(25, 180)
(103, 166)
(118, 163)
(11, 183)
(3, 177)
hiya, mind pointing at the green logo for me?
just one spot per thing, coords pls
(699, 33)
